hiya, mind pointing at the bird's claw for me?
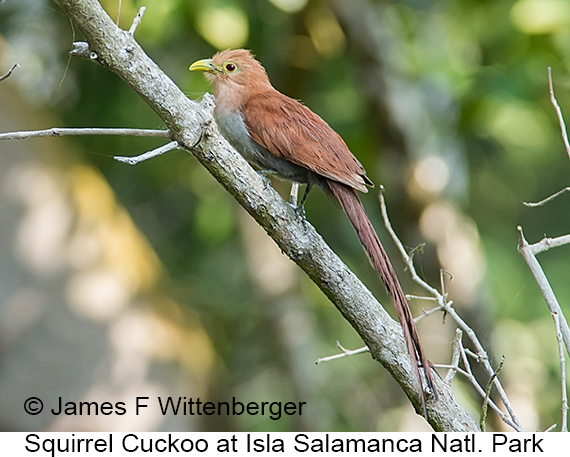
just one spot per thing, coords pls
(299, 211)
(263, 174)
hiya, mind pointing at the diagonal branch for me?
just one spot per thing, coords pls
(192, 127)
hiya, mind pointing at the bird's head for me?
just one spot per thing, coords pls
(233, 68)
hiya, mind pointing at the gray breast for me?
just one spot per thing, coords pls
(233, 128)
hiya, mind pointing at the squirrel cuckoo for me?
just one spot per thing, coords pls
(279, 135)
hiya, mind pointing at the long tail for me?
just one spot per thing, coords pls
(352, 206)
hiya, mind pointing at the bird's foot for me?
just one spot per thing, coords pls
(299, 211)
(264, 175)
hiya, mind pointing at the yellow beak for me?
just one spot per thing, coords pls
(204, 65)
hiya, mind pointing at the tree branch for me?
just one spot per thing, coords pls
(191, 125)
(56, 132)
(528, 253)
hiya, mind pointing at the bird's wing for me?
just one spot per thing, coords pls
(291, 131)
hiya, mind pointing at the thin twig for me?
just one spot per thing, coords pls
(455, 356)
(426, 313)
(56, 132)
(7, 75)
(546, 200)
(344, 353)
(148, 155)
(488, 388)
(558, 113)
(453, 369)
(470, 353)
(445, 305)
(564, 134)
(504, 417)
(549, 429)
(137, 20)
(556, 318)
(546, 243)
(422, 297)
(119, 12)
(528, 254)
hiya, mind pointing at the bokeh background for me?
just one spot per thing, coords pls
(119, 281)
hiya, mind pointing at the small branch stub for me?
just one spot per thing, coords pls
(137, 20)
(148, 155)
(9, 72)
(80, 49)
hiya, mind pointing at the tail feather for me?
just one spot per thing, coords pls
(352, 206)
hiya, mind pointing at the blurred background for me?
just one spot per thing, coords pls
(120, 281)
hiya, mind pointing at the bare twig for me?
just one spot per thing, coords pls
(460, 353)
(119, 11)
(148, 155)
(488, 394)
(546, 243)
(56, 132)
(558, 113)
(504, 417)
(445, 306)
(453, 369)
(422, 297)
(564, 134)
(456, 344)
(549, 429)
(556, 318)
(527, 252)
(470, 353)
(546, 200)
(344, 353)
(7, 74)
(136, 20)
(428, 312)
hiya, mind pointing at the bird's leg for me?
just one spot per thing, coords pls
(263, 174)
(300, 208)
(294, 194)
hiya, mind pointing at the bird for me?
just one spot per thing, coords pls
(279, 135)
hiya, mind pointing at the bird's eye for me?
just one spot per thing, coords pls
(230, 67)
